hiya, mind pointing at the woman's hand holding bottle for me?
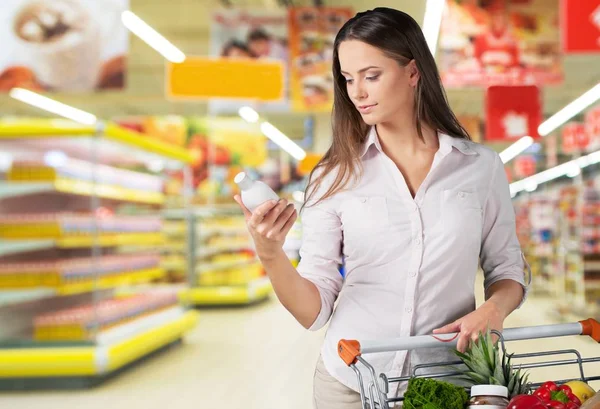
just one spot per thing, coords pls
(269, 225)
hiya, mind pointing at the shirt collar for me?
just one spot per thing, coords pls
(462, 145)
(446, 144)
(372, 139)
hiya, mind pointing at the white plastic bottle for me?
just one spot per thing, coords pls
(254, 192)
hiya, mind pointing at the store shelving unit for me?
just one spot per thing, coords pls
(224, 270)
(83, 289)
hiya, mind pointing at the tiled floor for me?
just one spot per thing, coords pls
(254, 358)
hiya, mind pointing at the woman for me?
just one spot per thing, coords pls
(407, 200)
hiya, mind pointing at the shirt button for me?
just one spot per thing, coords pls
(461, 194)
(363, 200)
(418, 242)
(408, 310)
(413, 273)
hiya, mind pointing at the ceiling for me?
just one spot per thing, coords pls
(186, 24)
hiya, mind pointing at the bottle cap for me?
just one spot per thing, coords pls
(243, 181)
(489, 390)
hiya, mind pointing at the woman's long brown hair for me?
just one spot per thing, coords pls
(399, 37)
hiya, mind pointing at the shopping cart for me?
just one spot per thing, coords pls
(374, 389)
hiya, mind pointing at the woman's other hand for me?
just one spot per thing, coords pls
(487, 316)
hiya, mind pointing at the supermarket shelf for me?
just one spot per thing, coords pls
(10, 297)
(174, 265)
(222, 231)
(221, 265)
(128, 343)
(591, 284)
(82, 188)
(256, 291)
(131, 278)
(8, 247)
(44, 128)
(204, 232)
(103, 240)
(207, 250)
(13, 295)
(205, 211)
(120, 134)
(111, 241)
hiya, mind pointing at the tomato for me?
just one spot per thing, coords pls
(526, 402)
(554, 404)
(551, 386)
(572, 405)
(544, 394)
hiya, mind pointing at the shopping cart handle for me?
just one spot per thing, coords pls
(350, 350)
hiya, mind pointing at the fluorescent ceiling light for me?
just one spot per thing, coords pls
(434, 10)
(248, 114)
(282, 140)
(50, 105)
(152, 37)
(516, 148)
(570, 111)
(571, 169)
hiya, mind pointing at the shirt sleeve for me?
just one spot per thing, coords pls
(501, 254)
(321, 255)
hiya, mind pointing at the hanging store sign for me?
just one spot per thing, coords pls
(512, 112)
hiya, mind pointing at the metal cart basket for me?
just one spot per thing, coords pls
(374, 388)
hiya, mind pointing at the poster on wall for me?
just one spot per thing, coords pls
(580, 26)
(63, 45)
(509, 42)
(312, 34)
(251, 34)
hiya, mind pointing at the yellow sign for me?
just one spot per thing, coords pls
(203, 78)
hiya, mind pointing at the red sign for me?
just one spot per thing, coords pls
(574, 137)
(524, 166)
(592, 127)
(580, 20)
(512, 112)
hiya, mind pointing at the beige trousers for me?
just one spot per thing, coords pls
(329, 393)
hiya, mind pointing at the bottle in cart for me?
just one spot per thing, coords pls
(253, 192)
(488, 397)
